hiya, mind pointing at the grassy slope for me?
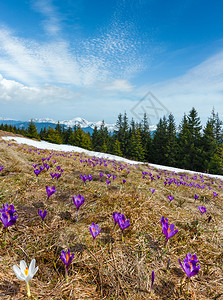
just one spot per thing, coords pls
(113, 270)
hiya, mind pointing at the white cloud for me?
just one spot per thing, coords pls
(51, 23)
(121, 85)
(12, 91)
(113, 52)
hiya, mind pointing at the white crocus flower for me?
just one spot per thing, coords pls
(24, 273)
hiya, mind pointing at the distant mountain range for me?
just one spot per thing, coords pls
(41, 123)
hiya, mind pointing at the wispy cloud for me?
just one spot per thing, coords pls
(120, 85)
(111, 54)
(51, 23)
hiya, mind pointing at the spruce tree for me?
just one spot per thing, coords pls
(194, 125)
(53, 136)
(86, 141)
(32, 131)
(171, 143)
(183, 158)
(217, 127)
(117, 148)
(160, 142)
(209, 145)
(146, 139)
(95, 140)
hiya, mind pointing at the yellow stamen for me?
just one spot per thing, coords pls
(26, 271)
(168, 230)
(93, 229)
(67, 257)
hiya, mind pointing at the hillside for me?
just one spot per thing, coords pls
(113, 269)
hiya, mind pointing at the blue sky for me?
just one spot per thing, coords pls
(96, 59)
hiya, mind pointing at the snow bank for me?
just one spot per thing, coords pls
(67, 148)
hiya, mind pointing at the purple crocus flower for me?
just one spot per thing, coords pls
(196, 197)
(34, 166)
(78, 201)
(94, 230)
(6, 208)
(123, 224)
(84, 178)
(168, 230)
(170, 197)
(52, 175)
(116, 217)
(47, 167)
(109, 175)
(57, 175)
(101, 174)
(7, 218)
(202, 209)
(1, 168)
(123, 180)
(189, 265)
(153, 278)
(58, 168)
(108, 182)
(66, 259)
(152, 190)
(114, 177)
(215, 194)
(37, 171)
(50, 191)
(89, 177)
(190, 257)
(42, 214)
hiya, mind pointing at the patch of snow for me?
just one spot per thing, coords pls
(68, 148)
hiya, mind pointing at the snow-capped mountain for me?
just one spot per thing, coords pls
(47, 122)
(77, 122)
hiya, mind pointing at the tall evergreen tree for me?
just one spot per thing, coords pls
(217, 126)
(146, 139)
(53, 136)
(117, 148)
(194, 125)
(171, 143)
(209, 145)
(160, 142)
(32, 131)
(95, 140)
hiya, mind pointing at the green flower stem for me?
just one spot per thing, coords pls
(28, 289)
(122, 237)
(66, 273)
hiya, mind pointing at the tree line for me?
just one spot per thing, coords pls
(188, 146)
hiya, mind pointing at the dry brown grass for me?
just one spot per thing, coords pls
(113, 269)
